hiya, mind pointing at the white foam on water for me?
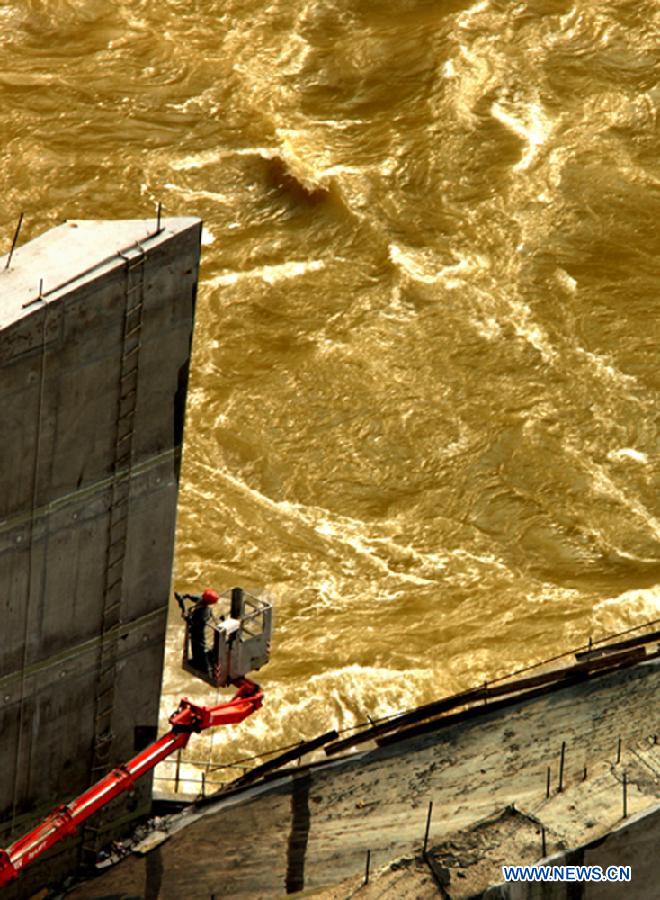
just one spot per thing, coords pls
(488, 328)
(565, 281)
(453, 276)
(628, 453)
(339, 698)
(341, 532)
(412, 264)
(325, 345)
(486, 559)
(358, 692)
(603, 484)
(339, 169)
(350, 533)
(283, 507)
(474, 75)
(463, 20)
(418, 265)
(212, 157)
(398, 309)
(191, 194)
(532, 126)
(197, 161)
(341, 125)
(550, 594)
(604, 368)
(270, 274)
(388, 166)
(361, 547)
(525, 327)
(639, 604)
(328, 589)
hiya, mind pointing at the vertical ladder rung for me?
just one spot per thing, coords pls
(126, 374)
(118, 521)
(131, 352)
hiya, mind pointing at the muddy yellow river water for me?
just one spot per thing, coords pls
(423, 408)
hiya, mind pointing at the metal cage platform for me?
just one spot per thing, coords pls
(235, 639)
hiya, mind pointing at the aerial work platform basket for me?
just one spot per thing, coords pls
(226, 640)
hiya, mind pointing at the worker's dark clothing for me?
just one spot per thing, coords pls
(200, 619)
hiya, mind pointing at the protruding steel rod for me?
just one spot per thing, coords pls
(547, 783)
(584, 774)
(428, 824)
(41, 288)
(367, 867)
(561, 767)
(544, 851)
(177, 772)
(15, 241)
(625, 795)
(236, 610)
(159, 210)
(618, 751)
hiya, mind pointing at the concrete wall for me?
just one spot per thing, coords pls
(92, 392)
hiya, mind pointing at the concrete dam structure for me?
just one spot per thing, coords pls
(96, 322)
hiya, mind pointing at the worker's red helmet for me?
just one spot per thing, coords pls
(210, 596)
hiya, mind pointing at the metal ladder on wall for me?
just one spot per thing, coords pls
(118, 527)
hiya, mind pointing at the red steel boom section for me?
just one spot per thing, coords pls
(65, 820)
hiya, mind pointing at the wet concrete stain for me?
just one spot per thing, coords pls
(295, 874)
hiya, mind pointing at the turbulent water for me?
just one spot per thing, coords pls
(422, 413)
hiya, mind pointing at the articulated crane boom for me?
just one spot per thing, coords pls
(66, 820)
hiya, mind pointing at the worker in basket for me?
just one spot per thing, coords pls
(200, 619)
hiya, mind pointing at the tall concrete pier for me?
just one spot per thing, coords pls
(96, 322)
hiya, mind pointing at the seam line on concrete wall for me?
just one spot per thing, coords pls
(29, 586)
(78, 496)
(123, 630)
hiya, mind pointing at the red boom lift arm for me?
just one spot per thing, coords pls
(66, 820)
